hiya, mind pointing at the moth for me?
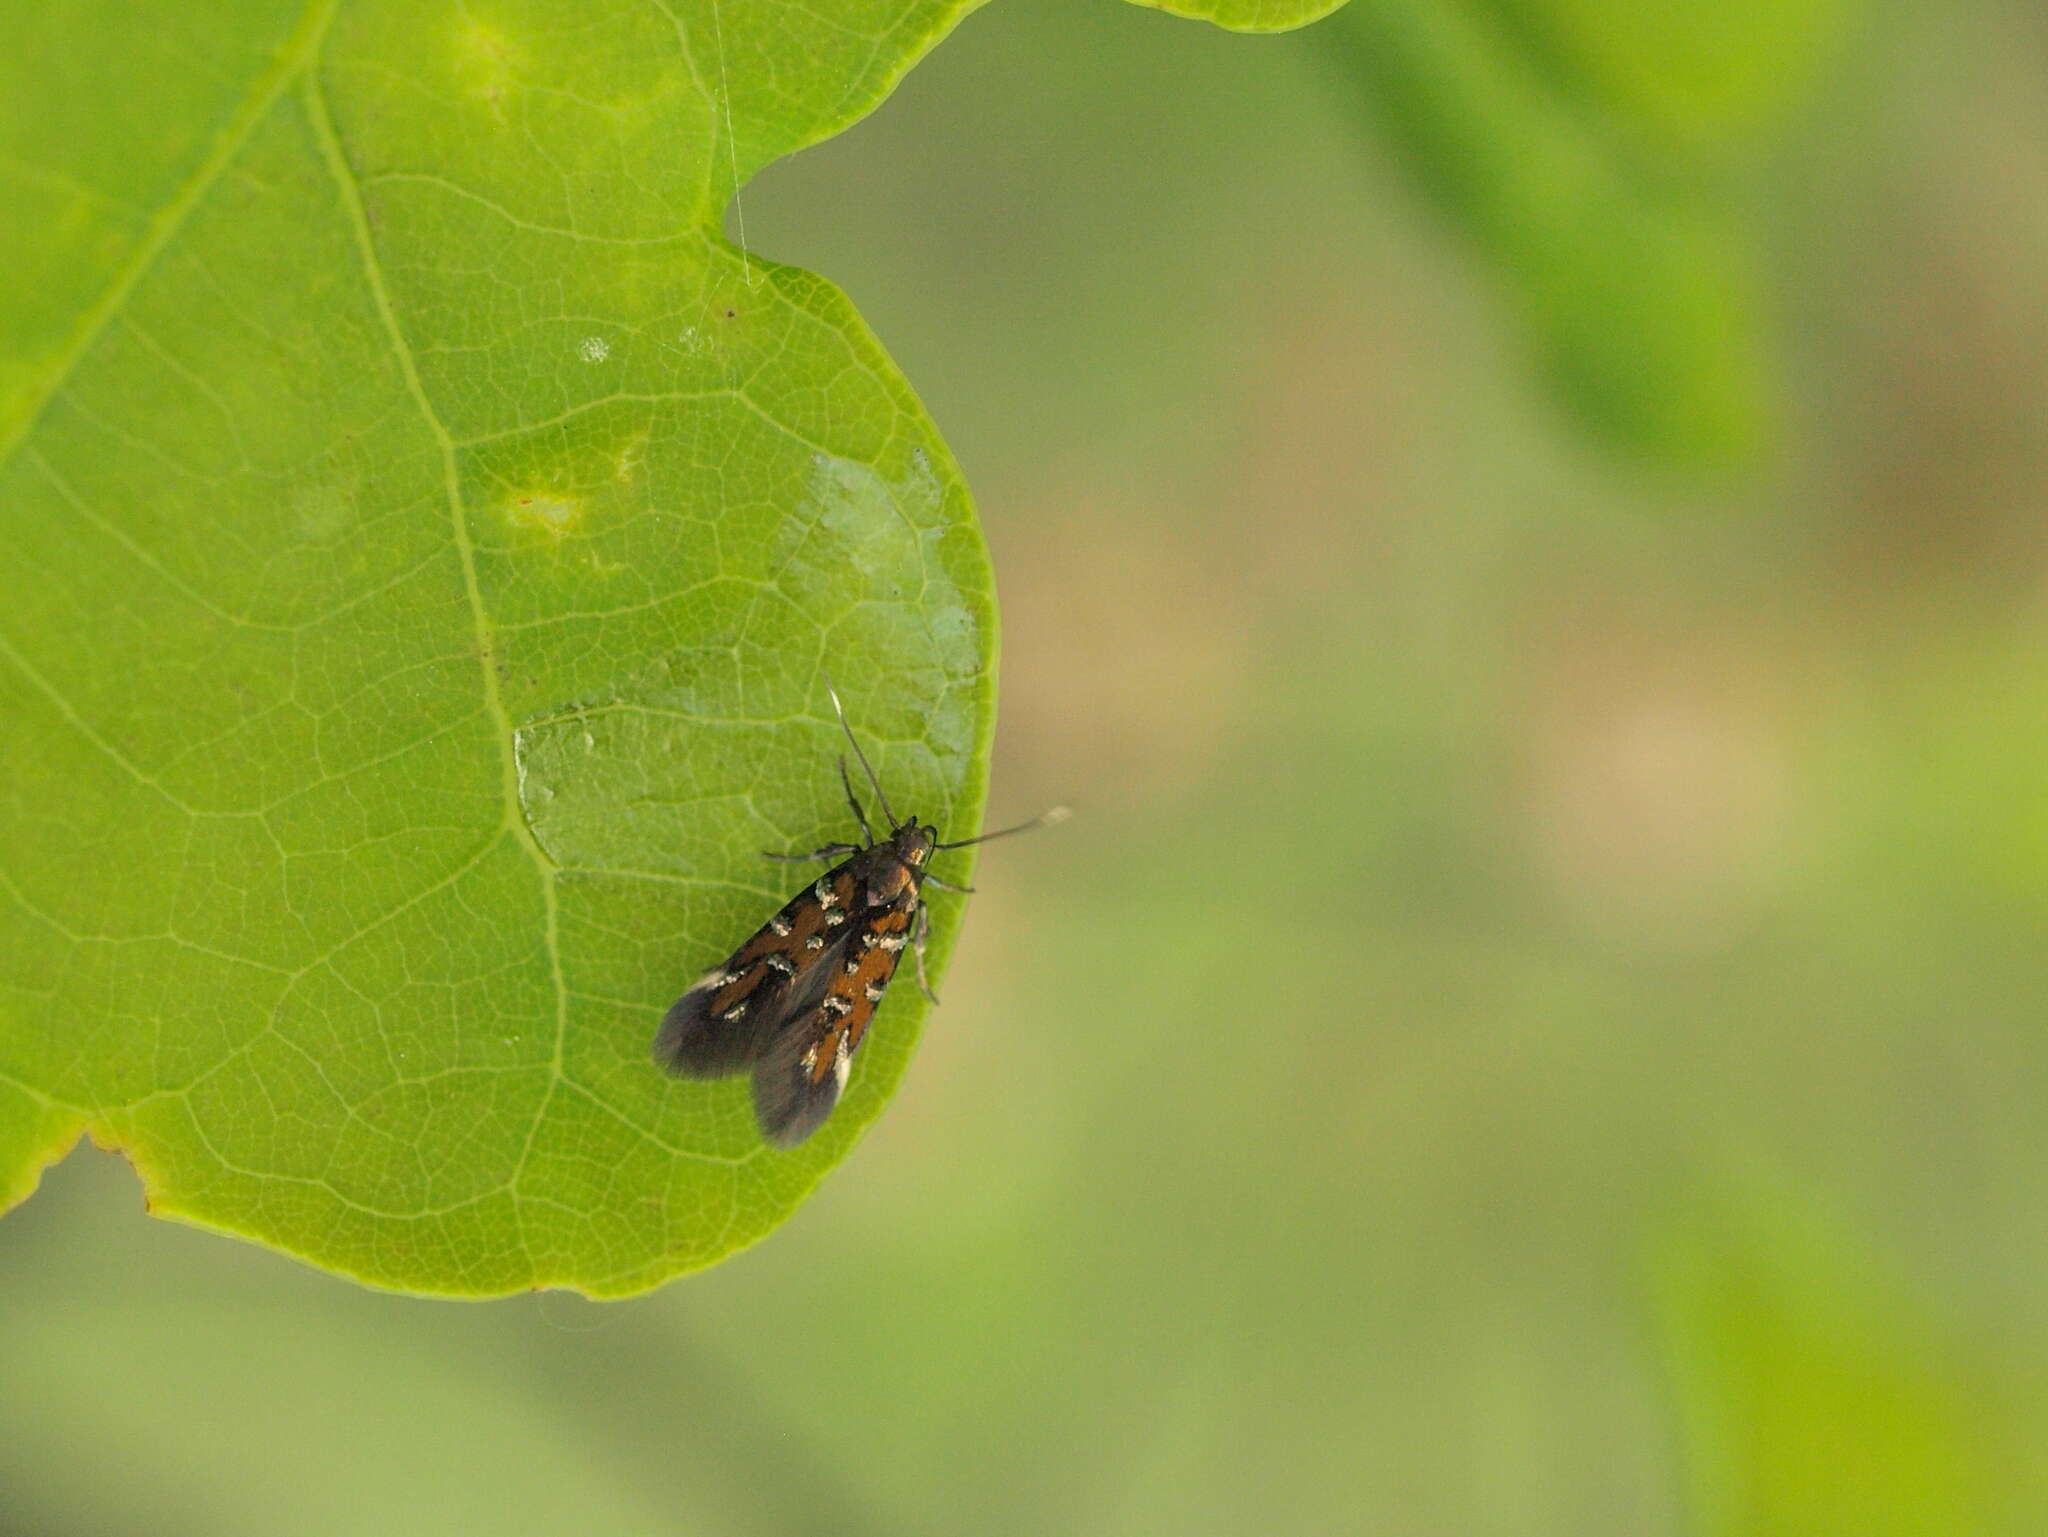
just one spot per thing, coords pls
(793, 1004)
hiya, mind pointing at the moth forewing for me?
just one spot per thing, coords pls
(799, 1080)
(729, 1019)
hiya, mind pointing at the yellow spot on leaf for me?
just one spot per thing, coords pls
(548, 511)
(488, 62)
(626, 462)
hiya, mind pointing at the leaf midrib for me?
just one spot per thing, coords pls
(514, 823)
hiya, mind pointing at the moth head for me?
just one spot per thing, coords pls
(914, 841)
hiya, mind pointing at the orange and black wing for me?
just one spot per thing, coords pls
(802, 1074)
(735, 1013)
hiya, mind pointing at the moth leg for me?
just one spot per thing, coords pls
(829, 851)
(918, 935)
(859, 814)
(933, 880)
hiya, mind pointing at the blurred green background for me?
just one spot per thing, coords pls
(1531, 569)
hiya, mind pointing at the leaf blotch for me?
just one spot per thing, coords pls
(488, 61)
(548, 512)
(626, 459)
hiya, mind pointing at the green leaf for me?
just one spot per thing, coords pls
(1248, 15)
(1815, 1399)
(1693, 74)
(424, 536)
(1634, 273)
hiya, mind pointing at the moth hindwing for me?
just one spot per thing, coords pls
(794, 1002)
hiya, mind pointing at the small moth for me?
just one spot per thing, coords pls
(794, 1002)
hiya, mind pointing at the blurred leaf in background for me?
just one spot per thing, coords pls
(1815, 1400)
(1593, 153)
(1249, 15)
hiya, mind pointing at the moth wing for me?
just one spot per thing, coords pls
(792, 1098)
(799, 1078)
(730, 1018)
(693, 1042)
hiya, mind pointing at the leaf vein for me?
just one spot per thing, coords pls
(349, 190)
(298, 50)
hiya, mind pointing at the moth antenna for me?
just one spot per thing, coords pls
(1051, 818)
(867, 767)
